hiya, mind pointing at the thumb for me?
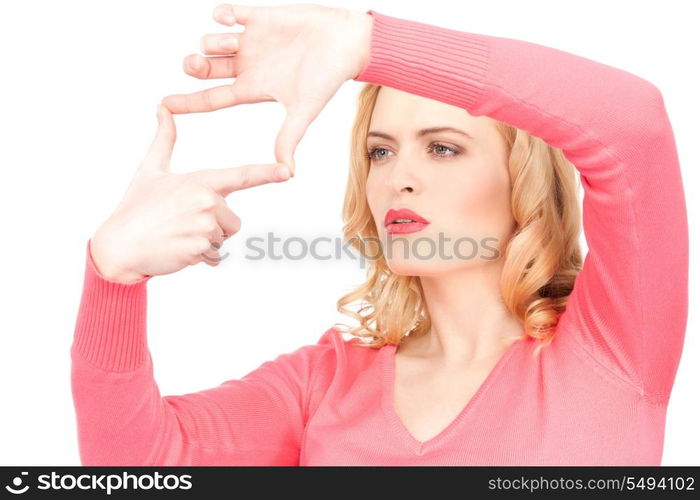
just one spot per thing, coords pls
(293, 129)
(161, 149)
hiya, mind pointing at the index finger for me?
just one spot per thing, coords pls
(220, 97)
(227, 180)
(223, 96)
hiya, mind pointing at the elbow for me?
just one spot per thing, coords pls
(648, 135)
(653, 121)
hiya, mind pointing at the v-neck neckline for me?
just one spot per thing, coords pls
(388, 386)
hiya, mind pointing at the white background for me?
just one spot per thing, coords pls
(80, 84)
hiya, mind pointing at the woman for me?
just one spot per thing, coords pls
(494, 359)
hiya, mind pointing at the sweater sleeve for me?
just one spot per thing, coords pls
(122, 419)
(629, 305)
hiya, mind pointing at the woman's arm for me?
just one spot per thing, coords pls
(123, 420)
(629, 305)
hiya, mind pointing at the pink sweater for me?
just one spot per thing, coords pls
(596, 396)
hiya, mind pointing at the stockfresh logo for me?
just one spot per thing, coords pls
(101, 482)
(17, 487)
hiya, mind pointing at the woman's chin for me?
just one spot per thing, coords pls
(416, 267)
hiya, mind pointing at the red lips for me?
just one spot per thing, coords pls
(403, 213)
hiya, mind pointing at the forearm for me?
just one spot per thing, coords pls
(118, 407)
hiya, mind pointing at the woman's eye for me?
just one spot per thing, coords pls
(441, 147)
(370, 155)
(436, 149)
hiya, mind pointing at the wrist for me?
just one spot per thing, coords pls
(106, 265)
(362, 42)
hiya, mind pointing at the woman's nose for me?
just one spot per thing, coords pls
(402, 177)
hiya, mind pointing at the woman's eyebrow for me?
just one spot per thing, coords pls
(421, 133)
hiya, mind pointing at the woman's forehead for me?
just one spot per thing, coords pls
(397, 113)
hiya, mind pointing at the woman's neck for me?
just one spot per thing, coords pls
(469, 319)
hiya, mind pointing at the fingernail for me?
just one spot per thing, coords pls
(194, 63)
(283, 173)
(228, 18)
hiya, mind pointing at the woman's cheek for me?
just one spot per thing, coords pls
(482, 205)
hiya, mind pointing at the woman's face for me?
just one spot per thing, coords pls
(459, 184)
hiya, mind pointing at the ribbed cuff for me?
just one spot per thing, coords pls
(430, 61)
(110, 331)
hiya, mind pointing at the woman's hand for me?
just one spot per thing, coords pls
(167, 221)
(298, 55)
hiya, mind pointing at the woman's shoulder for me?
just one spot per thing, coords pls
(336, 359)
(345, 344)
(339, 351)
(332, 350)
